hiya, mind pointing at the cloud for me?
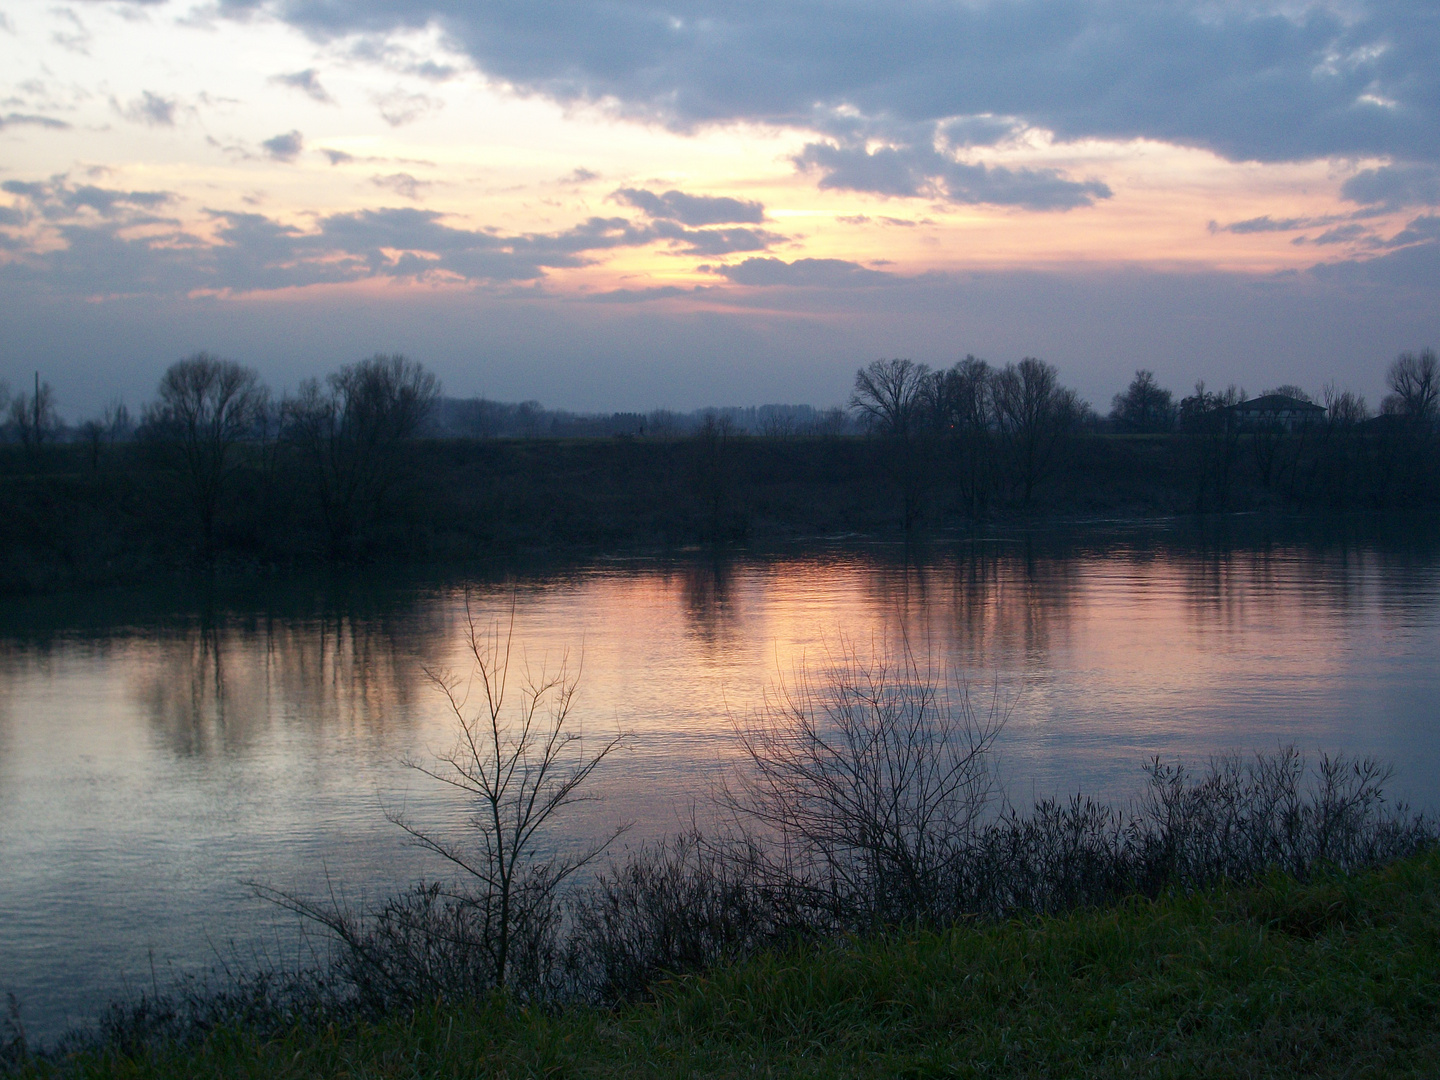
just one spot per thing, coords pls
(911, 171)
(1267, 224)
(23, 119)
(1417, 231)
(75, 37)
(716, 241)
(692, 210)
(640, 296)
(400, 107)
(1395, 186)
(337, 157)
(402, 184)
(58, 198)
(246, 252)
(1344, 234)
(580, 176)
(674, 215)
(809, 273)
(1250, 80)
(307, 82)
(377, 49)
(970, 131)
(284, 147)
(150, 109)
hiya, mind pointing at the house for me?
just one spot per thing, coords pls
(1277, 411)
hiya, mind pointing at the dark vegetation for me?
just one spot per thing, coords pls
(1333, 977)
(864, 899)
(372, 465)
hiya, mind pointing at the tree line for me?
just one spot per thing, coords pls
(213, 416)
(995, 434)
(371, 462)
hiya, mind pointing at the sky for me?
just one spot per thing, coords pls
(609, 204)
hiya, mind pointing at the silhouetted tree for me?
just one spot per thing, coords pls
(113, 425)
(1415, 385)
(891, 398)
(1144, 407)
(1034, 414)
(34, 417)
(348, 432)
(1339, 457)
(207, 405)
(1406, 451)
(1344, 408)
(889, 395)
(1210, 417)
(960, 404)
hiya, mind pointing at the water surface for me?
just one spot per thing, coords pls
(159, 748)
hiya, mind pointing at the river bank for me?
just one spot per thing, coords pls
(1330, 978)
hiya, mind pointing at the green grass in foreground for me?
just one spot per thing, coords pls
(1336, 978)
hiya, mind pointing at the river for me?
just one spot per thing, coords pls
(161, 747)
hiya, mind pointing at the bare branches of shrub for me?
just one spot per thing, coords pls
(868, 786)
(519, 761)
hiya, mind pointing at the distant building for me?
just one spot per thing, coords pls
(1277, 410)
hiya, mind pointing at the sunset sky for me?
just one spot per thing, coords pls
(607, 204)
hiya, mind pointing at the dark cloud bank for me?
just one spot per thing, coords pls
(898, 92)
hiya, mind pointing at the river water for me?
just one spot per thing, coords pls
(160, 748)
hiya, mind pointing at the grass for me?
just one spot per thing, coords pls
(1339, 977)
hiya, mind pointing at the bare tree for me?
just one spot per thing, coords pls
(348, 431)
(961, 403)
(1415, 384)
(116, 421)
(893, 399)
(34, 417)
(207, 407)
(1144, 406)
(1344, 408)
(519, 766)
(888, 395)
(867, 788)
(1034, 414)
(518, 763)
